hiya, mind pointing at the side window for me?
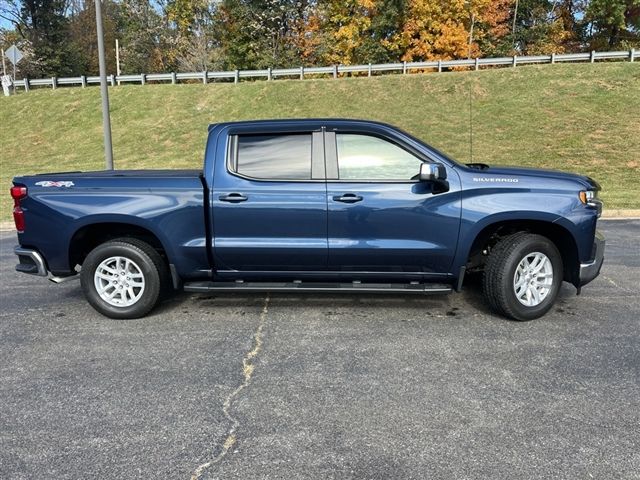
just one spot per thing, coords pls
(271, 157)
(364, 157)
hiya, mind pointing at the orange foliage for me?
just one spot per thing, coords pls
(437, 30)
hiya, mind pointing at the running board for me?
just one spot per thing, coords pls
(298, 286)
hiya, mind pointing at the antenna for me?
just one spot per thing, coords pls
(470, 122)
(473, 21)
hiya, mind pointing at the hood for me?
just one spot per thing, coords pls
(586, 182)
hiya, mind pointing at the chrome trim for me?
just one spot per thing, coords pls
(59, 280)
(35, 256)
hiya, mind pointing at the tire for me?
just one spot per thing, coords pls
(133, 295)
(506, 291)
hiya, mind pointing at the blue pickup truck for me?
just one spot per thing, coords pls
(306, 206)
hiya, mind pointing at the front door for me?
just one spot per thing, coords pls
(380, 219)
(269, 204)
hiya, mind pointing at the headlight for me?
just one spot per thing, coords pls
(586, 196)
(590, 199)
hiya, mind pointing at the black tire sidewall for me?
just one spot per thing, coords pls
(147, 266)
(529, 245)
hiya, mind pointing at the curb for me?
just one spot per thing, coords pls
(621, 214)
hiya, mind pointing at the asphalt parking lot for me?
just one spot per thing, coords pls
(322, 386)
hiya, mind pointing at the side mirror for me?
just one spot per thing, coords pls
(432, 172)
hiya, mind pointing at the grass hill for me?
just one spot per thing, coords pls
(582, 117)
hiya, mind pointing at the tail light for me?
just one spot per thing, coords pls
(18, 193)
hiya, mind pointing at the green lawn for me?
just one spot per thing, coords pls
(583, 118)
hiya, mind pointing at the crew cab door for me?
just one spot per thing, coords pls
(381, 219)
(269, 208)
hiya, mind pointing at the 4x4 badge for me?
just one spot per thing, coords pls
(49, 183)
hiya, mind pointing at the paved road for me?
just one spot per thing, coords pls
(331, 387)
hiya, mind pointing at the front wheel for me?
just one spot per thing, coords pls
(522, 276)
(123, 278)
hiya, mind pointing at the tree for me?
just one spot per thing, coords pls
(28, 67)
(264, 33)
(614, 23)
(44, 25)
(491, 32)
(540, 28)
(83, 35)
(145, 43)
(359, 31)
(346, 25)
(434, 30)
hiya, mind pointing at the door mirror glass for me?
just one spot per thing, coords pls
(432, 172)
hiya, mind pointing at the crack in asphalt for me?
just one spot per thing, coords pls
(248, 368)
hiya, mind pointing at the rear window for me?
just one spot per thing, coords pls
(271, 157)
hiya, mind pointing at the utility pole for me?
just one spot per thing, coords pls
(104, 92)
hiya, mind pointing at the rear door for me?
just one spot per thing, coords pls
(269, 203)
(381, 219)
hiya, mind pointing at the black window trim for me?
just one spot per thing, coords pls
(331, 155)
(317, 155)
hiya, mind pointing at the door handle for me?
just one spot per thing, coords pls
(233, 198)
(348, 198)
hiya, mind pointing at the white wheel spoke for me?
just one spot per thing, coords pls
(536, 294)
(540, 266)
(114, 287)
(533, 279)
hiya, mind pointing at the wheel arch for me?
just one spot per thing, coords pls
(90, 235)
(562, 238)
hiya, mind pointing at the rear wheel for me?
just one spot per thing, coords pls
(522, 276)
(123, 278)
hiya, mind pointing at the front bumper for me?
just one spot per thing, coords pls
(31, 262)
(590, 270)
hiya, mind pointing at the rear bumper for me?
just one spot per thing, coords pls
(31, 262)
(590, 270)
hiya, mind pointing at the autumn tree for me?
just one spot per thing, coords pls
(359, 31)
(59, 36)
(433, 30)
(540, 28)
(489, 28)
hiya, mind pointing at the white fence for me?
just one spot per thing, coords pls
(335, 70)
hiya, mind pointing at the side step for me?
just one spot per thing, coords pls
(297, 286)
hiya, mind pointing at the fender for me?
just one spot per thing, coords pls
(469, 230)
(125, 220)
